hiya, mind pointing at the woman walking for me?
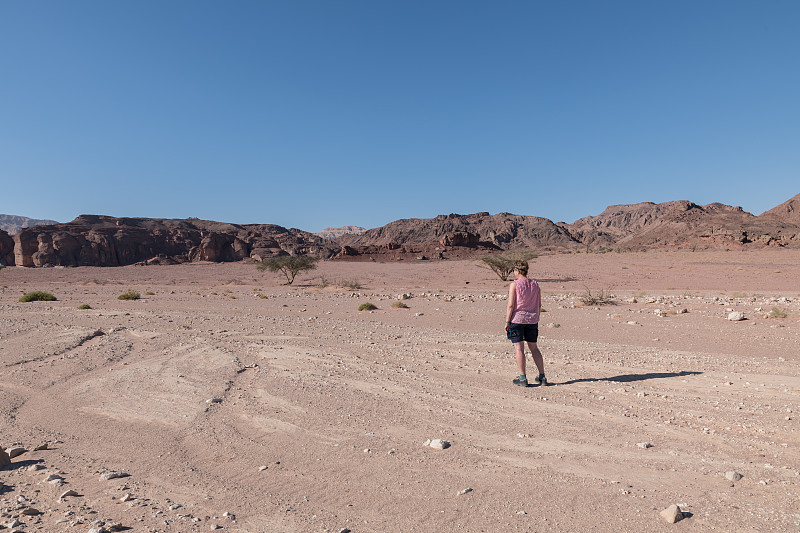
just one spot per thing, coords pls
(522, 321)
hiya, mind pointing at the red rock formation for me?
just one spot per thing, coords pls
(6, 249)
(788, 212)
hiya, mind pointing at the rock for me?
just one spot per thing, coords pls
(126, 497)
(113, 475)
(43, 446)
(736, 316)
(67, 493)
(437, 444)
(55, 479)
(465, 491)
(4, 458)
(404, 296)
(15, 451)
(553, 325)
(35, 467)
(644, 445)
(733, 476)
(30, 511)
(214, 400)
(671, 514)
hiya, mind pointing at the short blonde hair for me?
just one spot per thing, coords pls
(522, 266)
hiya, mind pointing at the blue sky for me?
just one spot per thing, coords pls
(310, 114)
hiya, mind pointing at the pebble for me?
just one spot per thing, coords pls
(465, 491)
(126, 497)
(214, 400)
(113, 475)
(644, 445)
(733, 476)
(437, 444)
(67, 493)
(736, 316)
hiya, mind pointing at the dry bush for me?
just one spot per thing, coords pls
(368, 306)
(598, 297)
(38, 296)
(778, 312)
(129, 295)
(399, 305)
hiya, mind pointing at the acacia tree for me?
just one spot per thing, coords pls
(502, 265)
(289, 265)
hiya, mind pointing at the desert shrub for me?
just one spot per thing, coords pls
(368, 306)
(129, 295)
(38, 296)
(289, 265)
(598, 297)
(150, 293)
(778, 312)
(399, 305)
(84, 306)
(351, 284)
(502, 265)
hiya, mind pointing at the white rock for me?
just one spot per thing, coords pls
(644, 445)
(733, 476)
(67, 493)
(113, 475)
(736, 316)
(465, 491)
(437, 444)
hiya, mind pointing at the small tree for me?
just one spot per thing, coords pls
(290, 265)
(502, 265)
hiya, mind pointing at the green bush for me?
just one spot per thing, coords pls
(84, 306)
(38, 296)
(289, 265)
(129, 295)
(368, 306)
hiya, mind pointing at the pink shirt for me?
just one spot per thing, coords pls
(529, 302)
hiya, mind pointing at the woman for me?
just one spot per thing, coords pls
(522, 321)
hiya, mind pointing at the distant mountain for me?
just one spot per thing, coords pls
(332, 233)
(97, 240)
(13, 223)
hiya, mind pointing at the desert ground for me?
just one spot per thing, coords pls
(227, 401)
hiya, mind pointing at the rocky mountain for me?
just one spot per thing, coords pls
(330, 234)
(96, 240)
(788, 212)
(107, 241)
(13, 223)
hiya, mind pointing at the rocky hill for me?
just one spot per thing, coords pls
(96, 240)
(788, 212)
(13, 223)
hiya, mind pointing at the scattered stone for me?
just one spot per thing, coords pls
(214, 400)
(15, 451)
(113, 475)
(33, 468)
(262, 468)
(405, 296)
(42, 447)
(437, 444)
(682, 311)
(553, 325)
(465, 491)
(67, 493)
(418, 314)
(54, 479)
(632, 323)
(736, 316)
(733, 476)
(660, 313)
(126, 497)
(30, 511)
(644, 445)
(671, 514)
(175, 506)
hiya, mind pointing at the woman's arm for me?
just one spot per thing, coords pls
(512, 301)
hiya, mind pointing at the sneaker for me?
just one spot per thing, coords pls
(522, 382)
(540, 380)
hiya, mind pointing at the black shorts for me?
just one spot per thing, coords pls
(523, 332)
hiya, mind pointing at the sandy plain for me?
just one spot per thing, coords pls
(239, 404)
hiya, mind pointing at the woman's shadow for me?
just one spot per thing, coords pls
(628, 378)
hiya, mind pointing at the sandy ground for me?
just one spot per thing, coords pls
(235, 403)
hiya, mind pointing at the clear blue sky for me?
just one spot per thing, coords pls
(324, 113)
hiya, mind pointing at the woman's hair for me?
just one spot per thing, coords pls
(522, 266)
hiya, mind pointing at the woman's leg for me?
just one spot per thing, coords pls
(519, 347)
(537, 356)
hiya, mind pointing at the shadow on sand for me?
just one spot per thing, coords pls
(628, 378)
